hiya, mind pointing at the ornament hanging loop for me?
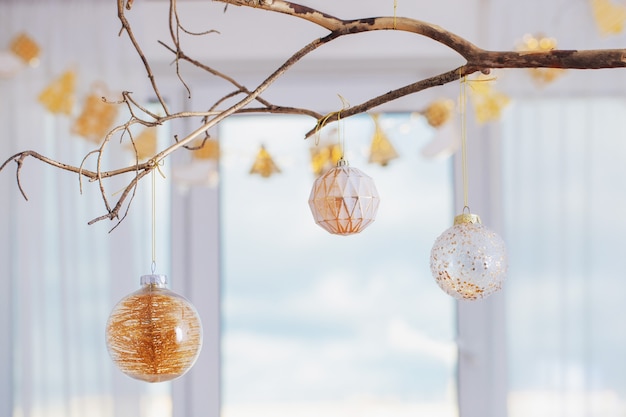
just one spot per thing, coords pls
(322, 123)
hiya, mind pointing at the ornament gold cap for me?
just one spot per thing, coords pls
(342, 162)
(154, 279)
(467, 218)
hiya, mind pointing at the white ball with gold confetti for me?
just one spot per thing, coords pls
(469, 261)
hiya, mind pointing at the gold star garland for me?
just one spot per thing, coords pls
(488, 103)
(58, 96)
(381, 149)
(609, 16)
(264, 164)
(540, 43)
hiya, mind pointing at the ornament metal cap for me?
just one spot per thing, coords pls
(154, 279)
(342, 162)
(467, 218)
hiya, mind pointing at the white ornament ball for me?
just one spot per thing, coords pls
(469, 261)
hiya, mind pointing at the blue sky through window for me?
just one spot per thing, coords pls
(320, 324)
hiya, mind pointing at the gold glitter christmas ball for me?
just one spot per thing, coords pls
(154, 334)
(469, 261)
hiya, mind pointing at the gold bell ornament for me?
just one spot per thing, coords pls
(381, 148)
(264, 164)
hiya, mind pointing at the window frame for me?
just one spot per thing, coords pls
(481, 337)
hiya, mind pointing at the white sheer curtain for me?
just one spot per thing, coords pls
(62, 277)
(564, 205)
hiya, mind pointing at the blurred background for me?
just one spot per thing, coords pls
(298, 321)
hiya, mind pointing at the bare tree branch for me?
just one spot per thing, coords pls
(241, 98)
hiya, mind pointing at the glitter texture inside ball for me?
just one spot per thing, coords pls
(469, 261)
(344, 200)
(154, 334)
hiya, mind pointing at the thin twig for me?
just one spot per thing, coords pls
(477, 59)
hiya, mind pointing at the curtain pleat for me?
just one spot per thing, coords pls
(63, 277)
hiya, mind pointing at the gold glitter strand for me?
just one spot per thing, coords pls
(154, 334)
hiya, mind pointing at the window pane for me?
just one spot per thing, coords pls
(564, 169)
(317, 324)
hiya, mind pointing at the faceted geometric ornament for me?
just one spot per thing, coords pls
(154, 334)
(468, 261)
(344, 200)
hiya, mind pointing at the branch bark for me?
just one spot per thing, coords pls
(477, 60)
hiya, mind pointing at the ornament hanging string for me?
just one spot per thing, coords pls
(340, 126)
(153, 222)
(157, 167)
(322, 123)
(395, 13)
(463, 110)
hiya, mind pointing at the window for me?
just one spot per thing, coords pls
(318, 324)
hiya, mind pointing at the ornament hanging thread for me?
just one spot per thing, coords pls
(344, 200)
(468, 261)
(154, 334)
